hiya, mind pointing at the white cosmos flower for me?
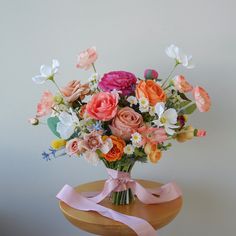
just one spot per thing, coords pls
(166, 118)
(176, 53)
(46, 72)
(143, 104)
(129, 149)
(67, 124)
(132, 100)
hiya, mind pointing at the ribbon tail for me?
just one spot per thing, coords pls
(77, 201)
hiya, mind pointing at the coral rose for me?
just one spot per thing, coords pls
(74, 90)
(202, 99)
(153, 153)
(87, 58)
(181, 84)
(118, 80)
(116, 151)
(103, 106)
(150, 90)
(126, 122)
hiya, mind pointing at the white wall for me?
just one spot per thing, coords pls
(129, 35)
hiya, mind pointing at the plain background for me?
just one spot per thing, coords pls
(132, 36)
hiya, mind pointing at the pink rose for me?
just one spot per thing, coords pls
(202, 99)
(87, 58)
(75, 146)
(102, 106)
(118, 80)
(74, 90)
(44, 107)
(182, 85)
(126, 122)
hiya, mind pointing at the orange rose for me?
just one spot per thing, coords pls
(150, 90)
(117, 150)
(153, 153)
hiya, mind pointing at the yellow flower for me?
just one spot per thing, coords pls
(58, 143)
(185, 134)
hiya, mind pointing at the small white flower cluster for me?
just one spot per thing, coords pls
(93, 81)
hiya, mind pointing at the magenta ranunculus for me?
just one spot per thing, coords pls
(118, 80)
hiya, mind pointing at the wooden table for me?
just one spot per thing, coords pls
(158, 215)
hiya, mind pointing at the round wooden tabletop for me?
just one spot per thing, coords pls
(158, 215)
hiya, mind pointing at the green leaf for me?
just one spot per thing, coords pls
(183, 104)
(189, 110)
(52, 124)
(183, 96)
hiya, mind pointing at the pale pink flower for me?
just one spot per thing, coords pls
(87, 58)
(152, 135)
(44, 107)
(181, 84)
(202, 99)
(75, 146)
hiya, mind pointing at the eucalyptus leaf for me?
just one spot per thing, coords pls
(52, 124)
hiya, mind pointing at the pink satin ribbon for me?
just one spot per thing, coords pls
(119, 181)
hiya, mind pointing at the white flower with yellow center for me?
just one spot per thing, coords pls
(132, 100)
(166, 118)
(136, 138)
(143, 104)
(129, 149)
(152, 111)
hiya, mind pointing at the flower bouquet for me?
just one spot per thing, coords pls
(119, 118)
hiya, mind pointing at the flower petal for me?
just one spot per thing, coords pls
(159, 108)
(45, 71)
(66, 118)
(171, 115)
(169, 131)
(65, 131)
(55, 66)
(170, 51)
(39, 79)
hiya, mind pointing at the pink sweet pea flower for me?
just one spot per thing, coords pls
(152, 135)
(181, 84)
(202, 99)
(87, 58)
(201, 133)
(44, 107)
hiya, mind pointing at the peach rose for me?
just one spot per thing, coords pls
(103, 106)
(75, 146)
(153, 153)
(150, 90)
(182, 85)
(126, 122)
(117, 150)
(74, 90)
(87, 58)
(202, 99)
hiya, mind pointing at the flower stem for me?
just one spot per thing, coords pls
(94, 68)
(172, 71)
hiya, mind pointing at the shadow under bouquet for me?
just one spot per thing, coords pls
(119, 118)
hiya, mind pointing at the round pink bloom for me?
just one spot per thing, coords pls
(126, 122)
(44, 107)
(150, 74)
(102, 106)
(182, 85)
(202, 99)
(118, 80)
(87, 58)
(152, 135)
(75, 146)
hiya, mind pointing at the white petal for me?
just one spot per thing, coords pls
(170, 51)
(169, 131)
(107, 146)
(171, 115)
(172, 126)
(159, 108)
(39, 79)
(157, 123)
(91, 157)
(55, 66)
(45, 71)
(66, 118)
(64, 130)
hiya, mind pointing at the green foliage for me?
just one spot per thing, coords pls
(188, 110)
(52, 124)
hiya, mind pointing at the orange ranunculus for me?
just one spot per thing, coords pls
(153, 153)
(117, 150)
(150, 90)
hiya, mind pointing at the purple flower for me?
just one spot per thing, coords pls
(118, 80)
